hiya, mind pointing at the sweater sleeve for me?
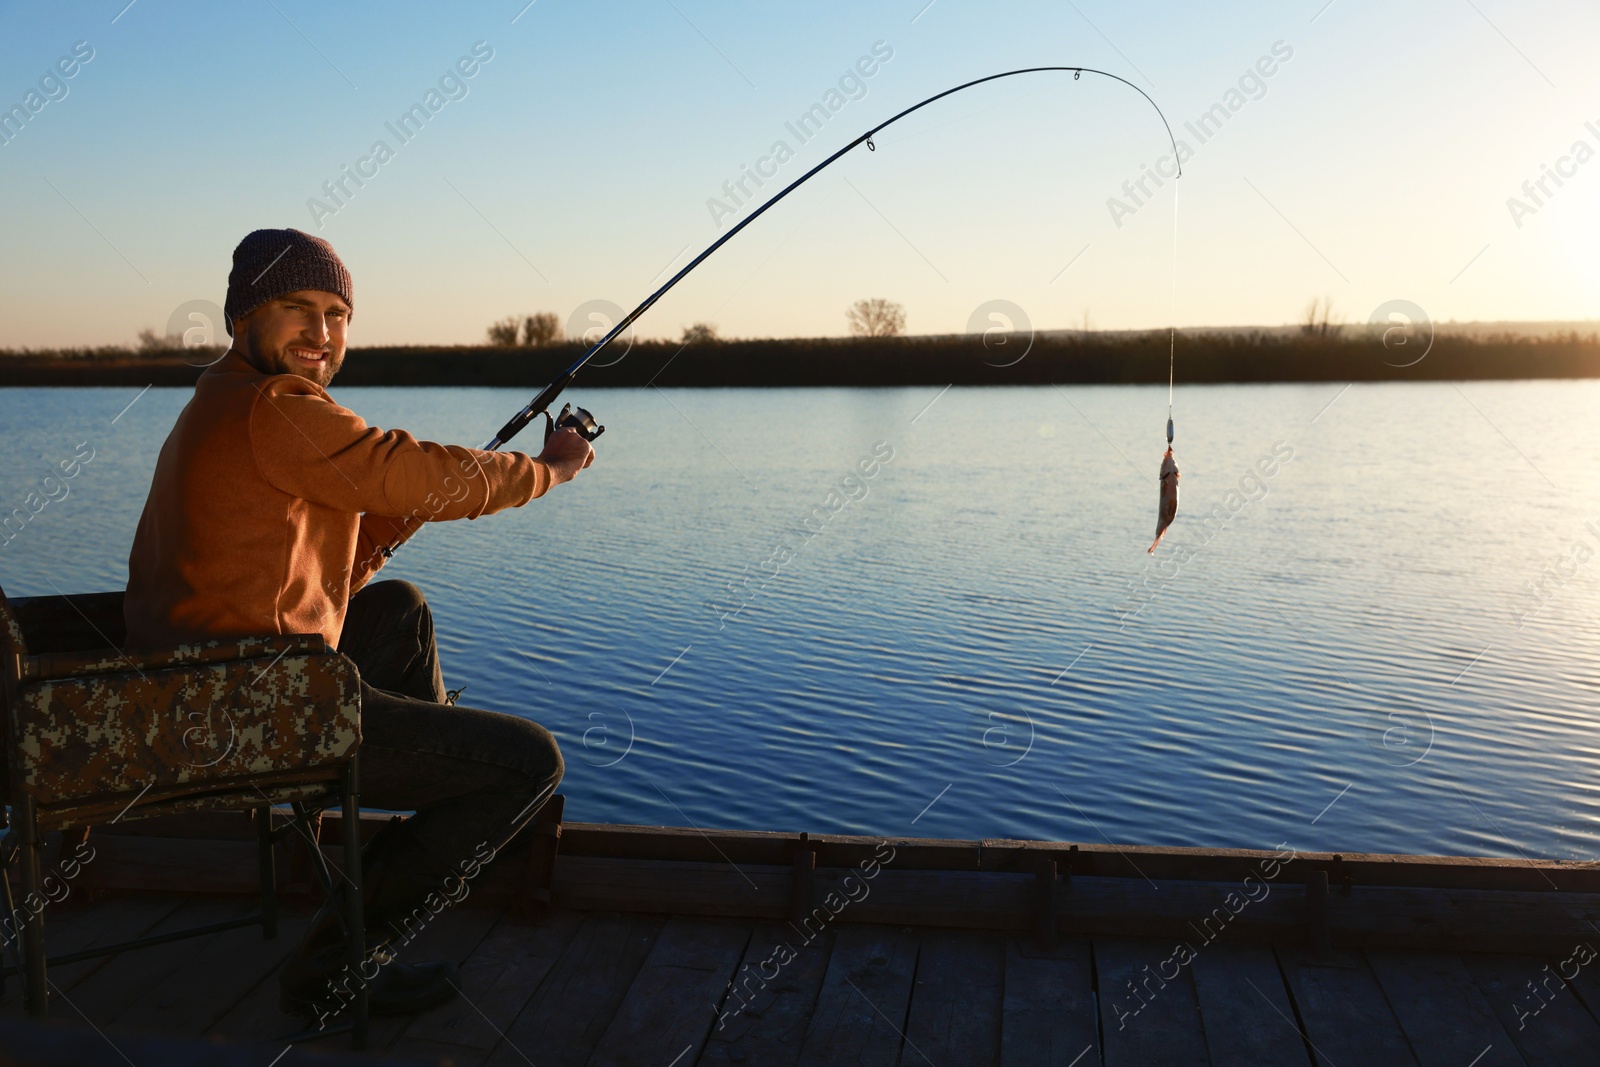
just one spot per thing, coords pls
(309, 447)
(375, 533)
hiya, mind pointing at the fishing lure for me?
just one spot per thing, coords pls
(1168, 508)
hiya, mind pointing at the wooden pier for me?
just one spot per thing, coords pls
(671, 947)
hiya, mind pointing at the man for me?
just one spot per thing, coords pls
(270, 510)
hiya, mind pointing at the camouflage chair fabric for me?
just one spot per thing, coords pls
(219, 724)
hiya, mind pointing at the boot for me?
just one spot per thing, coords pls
(318, 981)
(324, 985)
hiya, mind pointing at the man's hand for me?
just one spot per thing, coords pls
(566, 453)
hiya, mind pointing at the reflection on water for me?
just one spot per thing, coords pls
(1373, 626)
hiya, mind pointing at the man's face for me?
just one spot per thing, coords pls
(301, 333)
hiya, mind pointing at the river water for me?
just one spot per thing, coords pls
(1385, 637)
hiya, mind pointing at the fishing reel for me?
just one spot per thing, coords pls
(575, 418)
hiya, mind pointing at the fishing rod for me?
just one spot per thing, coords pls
(580, 420)
(583, 422)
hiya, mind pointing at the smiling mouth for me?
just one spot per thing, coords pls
(309, 355)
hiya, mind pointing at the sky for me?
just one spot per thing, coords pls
(1383, 158)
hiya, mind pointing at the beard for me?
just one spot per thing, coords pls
(276, 359)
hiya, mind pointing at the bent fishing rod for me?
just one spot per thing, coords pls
(583, 422)
(541, 403)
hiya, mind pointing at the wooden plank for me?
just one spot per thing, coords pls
(150, 864)
(1347, 1018)
(564, 1020)
(195, 852)
(760, 847)
(935, 898)
(1586, 982)
(1095, 859)
(1492, 921)
(1541, 1013)
(1443, 1013)
(1102, 860)
(1500, 919)
(1422, 919)
(1245, 1008)
(1181, 911)
(1148, 1020)
(420, 1053)
(1048, 1013)
(861, 1008)
(669, 1010)
(618, 841)
(962, 899)
(764, 1016)
(956, 999)
(496, 982)
(672, 887)
(104, 995)
(1160, 862)
(213, 983)
(29, 1044)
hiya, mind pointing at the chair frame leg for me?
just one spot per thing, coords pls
(11, 931)
(355, 925)
(35, 988)
(265, 841)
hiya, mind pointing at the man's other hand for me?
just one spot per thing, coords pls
(566, 453)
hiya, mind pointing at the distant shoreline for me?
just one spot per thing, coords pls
(1084, 359)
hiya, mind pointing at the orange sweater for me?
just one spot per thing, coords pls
(266, 511)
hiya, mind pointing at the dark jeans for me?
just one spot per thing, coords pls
(474, 778)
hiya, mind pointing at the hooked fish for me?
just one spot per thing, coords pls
(1169, 497)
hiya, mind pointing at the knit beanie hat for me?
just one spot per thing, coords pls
(269, 263)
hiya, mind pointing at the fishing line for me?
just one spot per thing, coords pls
(1167, 505)
(1172, 334)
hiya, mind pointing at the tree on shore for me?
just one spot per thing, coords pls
(701, 333)
(876, 318)
(541, 329)
(1319, 320)
(503, 334)
(531, 331)
(150, 341)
